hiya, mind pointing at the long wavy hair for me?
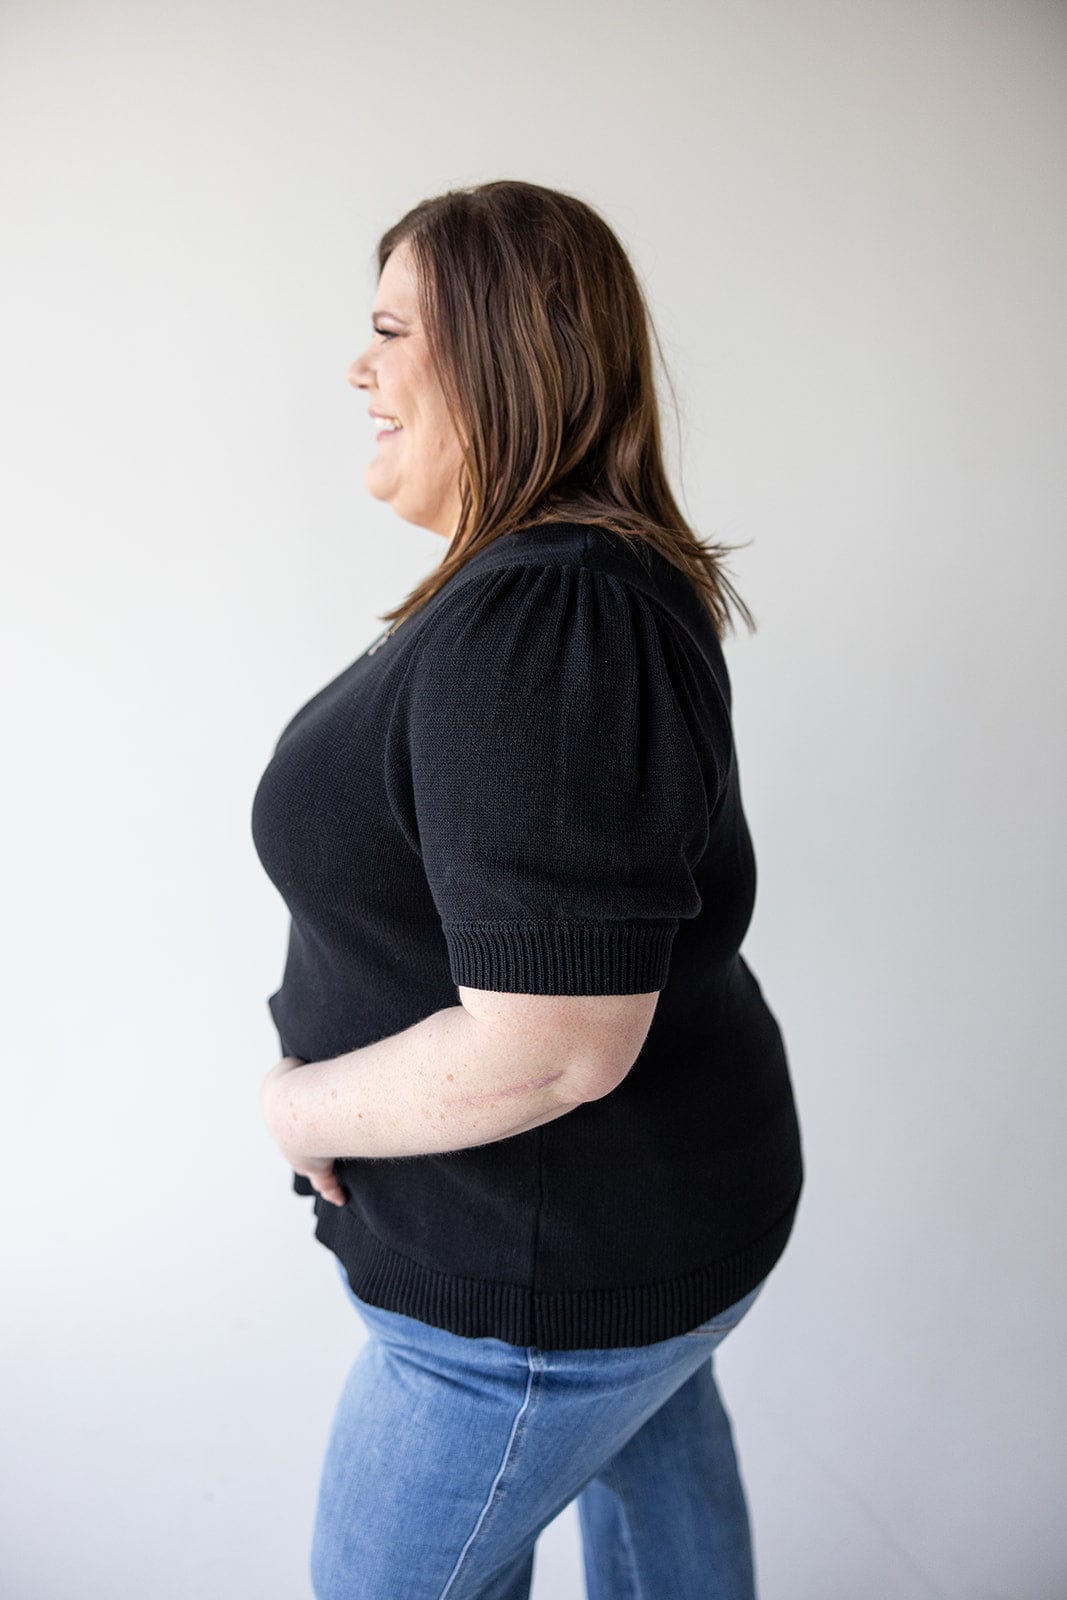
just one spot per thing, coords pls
(542, 341)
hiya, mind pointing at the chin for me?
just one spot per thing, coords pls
(371, 487)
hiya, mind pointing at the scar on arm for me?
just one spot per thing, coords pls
(504, 1094)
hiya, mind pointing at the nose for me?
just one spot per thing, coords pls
(357, 373)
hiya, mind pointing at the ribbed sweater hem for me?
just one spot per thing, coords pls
(566, 957)
(572, 1319)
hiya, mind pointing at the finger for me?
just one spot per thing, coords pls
(330, 1190)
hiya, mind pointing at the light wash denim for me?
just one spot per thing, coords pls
(447, 1457)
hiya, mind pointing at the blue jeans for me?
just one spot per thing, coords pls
(447, 1457)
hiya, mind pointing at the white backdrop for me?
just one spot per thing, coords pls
(850, 220)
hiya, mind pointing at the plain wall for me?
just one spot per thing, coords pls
(850, 221)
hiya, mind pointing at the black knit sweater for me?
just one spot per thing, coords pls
(532, 786)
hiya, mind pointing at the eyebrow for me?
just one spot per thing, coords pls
(391, 314)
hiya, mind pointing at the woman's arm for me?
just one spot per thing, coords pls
(468, 1075)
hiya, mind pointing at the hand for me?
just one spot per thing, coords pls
(318, 1170)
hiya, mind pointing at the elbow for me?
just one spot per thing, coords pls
(595, 1076)
(613, 1048)
(599, 1037)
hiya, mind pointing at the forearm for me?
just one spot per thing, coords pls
(446, 1083)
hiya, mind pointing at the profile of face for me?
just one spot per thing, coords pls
(416, 466)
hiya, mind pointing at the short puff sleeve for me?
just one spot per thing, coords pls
(559, 803)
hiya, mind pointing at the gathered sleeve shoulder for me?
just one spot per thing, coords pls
(556, 795)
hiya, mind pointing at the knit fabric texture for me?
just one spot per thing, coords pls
(532, 787)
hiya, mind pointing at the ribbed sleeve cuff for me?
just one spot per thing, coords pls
(561, 957)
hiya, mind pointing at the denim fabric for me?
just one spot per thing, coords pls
(447, 1456)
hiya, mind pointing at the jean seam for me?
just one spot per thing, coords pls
(510, 1449)
(609, 1477)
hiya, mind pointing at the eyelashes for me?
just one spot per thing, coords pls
(386, 333)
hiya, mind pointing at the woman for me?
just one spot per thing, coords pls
(549, 1201)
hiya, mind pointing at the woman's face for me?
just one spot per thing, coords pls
(417, 467)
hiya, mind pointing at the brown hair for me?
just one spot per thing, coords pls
(540, 333)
